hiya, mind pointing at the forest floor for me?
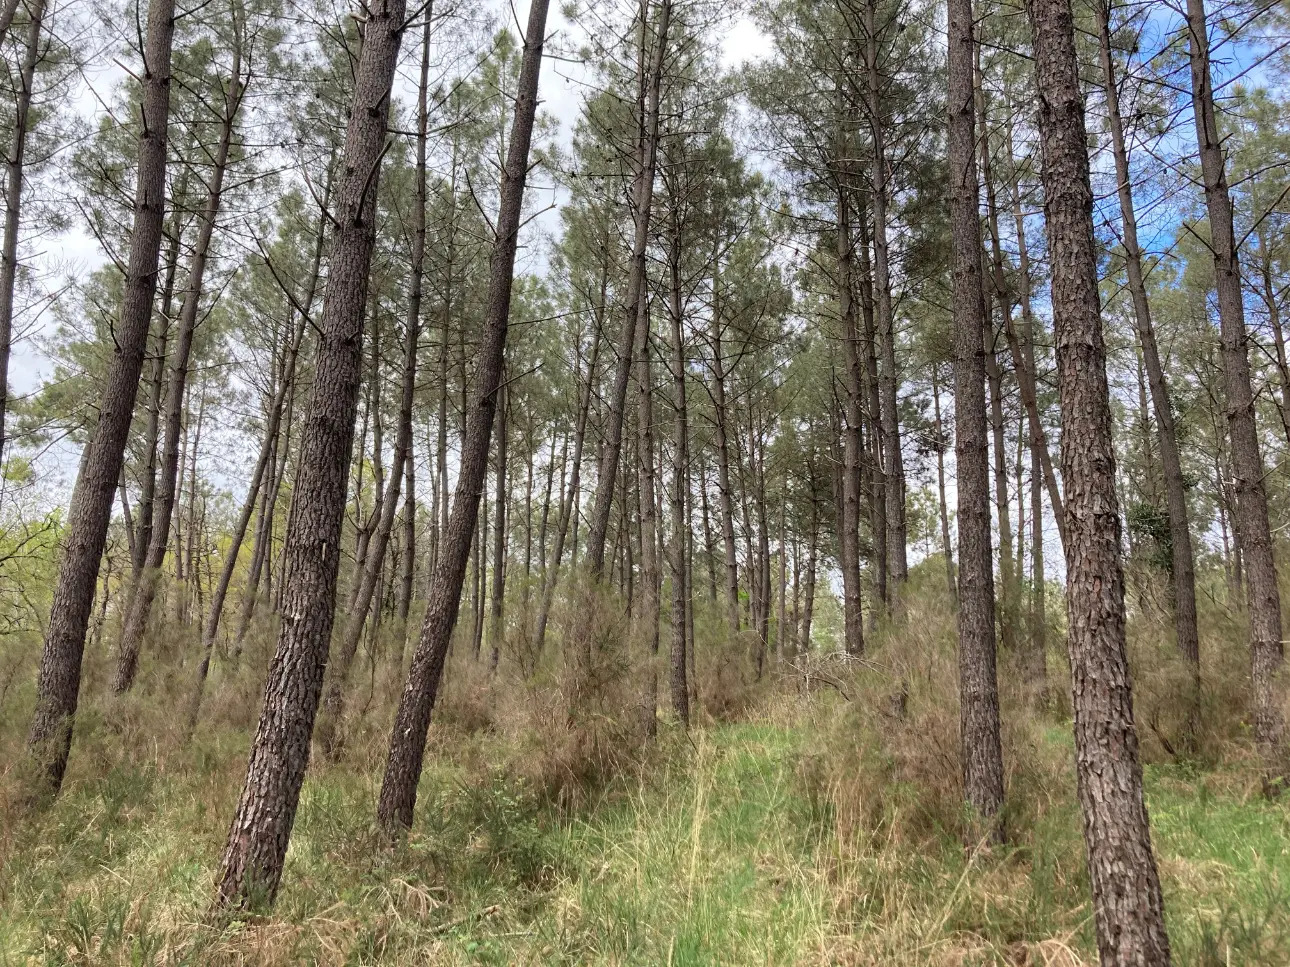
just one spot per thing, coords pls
(753, 842)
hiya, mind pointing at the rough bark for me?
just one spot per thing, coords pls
(978, 683)
(149, 577)
(725, 497)
(681, 603)
(501, 518)
(330, 738)
(408, 738)
(852, 415)
(651, 558)
(884, 318)
(58, 686)
(251, 868)
(1127, 907)
(1253, 534)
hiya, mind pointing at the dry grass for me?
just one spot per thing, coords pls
(813, 817)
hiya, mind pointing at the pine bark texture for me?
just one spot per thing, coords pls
(978, 683)
(261, 829)
(412, 721)
(59, 683)
(1127, 906)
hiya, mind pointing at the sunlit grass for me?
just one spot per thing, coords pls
(721, 852)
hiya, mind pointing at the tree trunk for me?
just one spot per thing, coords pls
(998, 293)
(681, 603)
(946, 546)
(408, 738)
(1253, 535)
(978, 684)
(642, 199)
(59, 683)
(852, 412)
(1037, 671)
(651, 559)
(145, 592)
(220, 591)
(569, 506)
(257, 843)
(329, 738)
(1183, 571)
(725, 501)
(1127, 907)
(500, 520)
(7, 11)
(157, 386)
(888, 414)
(808, 592)
(1023, 351)
(13, 191)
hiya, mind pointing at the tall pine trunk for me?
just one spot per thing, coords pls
(412, 721)
(145, 592)
(1182, 576)
(1253, 534)
(642, 201)
(329, 738)
(251, 868)
(15, 164)
(59, 683)
(1127, 906)
(978, 682)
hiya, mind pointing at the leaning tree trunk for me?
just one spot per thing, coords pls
(1127, 908)
(408, 738)
(329, 738)
(1253, 535)
(59, 684)
(642, 200)
(13, 192)
(144, 593)
(1182, 576)
(7, 10)
(261, 828)
(978, 682)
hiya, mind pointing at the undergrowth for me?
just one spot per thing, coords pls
(811, 818)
